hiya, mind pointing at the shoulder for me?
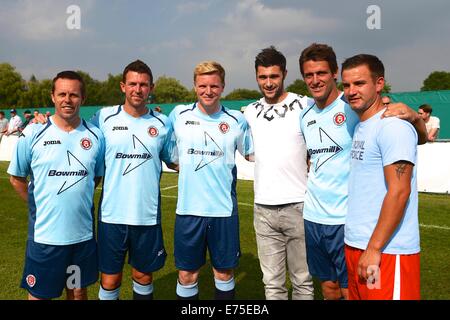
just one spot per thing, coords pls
(393, 126)
(162, 118)
(182, 108)
(96, 132)
(302, 101)
(234, 114)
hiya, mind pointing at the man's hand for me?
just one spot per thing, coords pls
(369, 263)
(402, 111)
(41, 118)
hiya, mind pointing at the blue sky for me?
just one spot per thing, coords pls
(173, 36)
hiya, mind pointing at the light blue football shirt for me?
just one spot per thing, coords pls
(328, 134)
(378, 143)
(206, 147)
(134, 150)
(62, 166)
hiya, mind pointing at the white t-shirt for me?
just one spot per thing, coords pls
(433, 123)
(280, 150)
(14, 123)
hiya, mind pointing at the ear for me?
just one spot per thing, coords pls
(285, 74)
(122, 86)
(379, 83)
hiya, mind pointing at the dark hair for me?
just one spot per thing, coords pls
(1, 112)
(270, 57)
(318, 52)
(72, 75)
(374, 64)
(139, 67)
(426, 108)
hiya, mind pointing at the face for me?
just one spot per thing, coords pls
(209, 88)
(385, 100)
(424, 115)
(271, 82)
(360, 89)
(320, 80)
(67, 98)
(137, 88)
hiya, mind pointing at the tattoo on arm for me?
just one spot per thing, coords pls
(400, 168)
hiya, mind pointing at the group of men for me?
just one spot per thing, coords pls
(318, 163)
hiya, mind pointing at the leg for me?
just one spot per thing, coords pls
(76, 294)
(146, 255)
(301, 280)
(110, 286)
(225, 285)
(142, 285)
(331, 290)
(187, 286)
(271, 251)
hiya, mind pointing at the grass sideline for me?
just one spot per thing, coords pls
(434, 215)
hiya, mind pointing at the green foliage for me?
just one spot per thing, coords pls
(92, 89)
(11, 86)
(169, 90)
(110, 93)
(298, 87)
(437, 80)
(36, 94)
(243, 94)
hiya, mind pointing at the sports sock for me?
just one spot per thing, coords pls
(104, 294)
(142, 292)
(224, 289)
(187, 292)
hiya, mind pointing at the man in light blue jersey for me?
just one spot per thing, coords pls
(62, 158)
(130, 209)
(328, 127)
(207, 137)
(381, 227)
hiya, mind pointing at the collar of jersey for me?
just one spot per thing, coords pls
(330, 106)
(208, 117)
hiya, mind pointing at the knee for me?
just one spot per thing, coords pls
(187, 278)
(142, 277)
(111, 281)
(223, 275)
(331, 290)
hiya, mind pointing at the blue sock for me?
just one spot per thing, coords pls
(142, 292)
(187, 292)
(104, 294)
(224, 289)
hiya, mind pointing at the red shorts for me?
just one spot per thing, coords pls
(398, 277)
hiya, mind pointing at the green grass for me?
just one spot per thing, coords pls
(434, 211)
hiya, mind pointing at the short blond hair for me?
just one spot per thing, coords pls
(209, 67)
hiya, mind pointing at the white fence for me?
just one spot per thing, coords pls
(433, 171)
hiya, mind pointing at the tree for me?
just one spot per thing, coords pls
(36, 94)
(11, 86)
(437, 80)
(170, 90)
(93, 88)
(243, 94)
(110, 93)
(298, 87)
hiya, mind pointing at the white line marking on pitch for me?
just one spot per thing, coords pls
(168, 188)
(434, 227)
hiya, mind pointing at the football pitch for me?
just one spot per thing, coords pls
(434, 217)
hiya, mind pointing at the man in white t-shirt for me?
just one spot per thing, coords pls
(280, 180)
(14, 124)
(432, 123)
